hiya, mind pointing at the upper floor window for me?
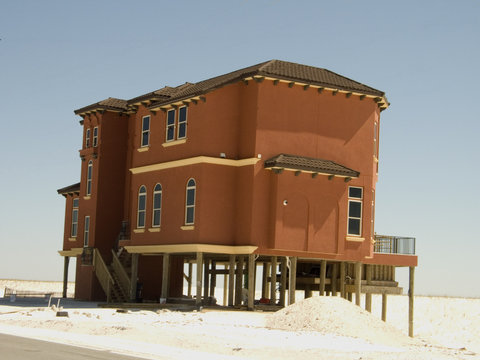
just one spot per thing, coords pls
(182, 123)
(157, 205)
(170, 125)
(145, 131)
(142, 206)
(173, 123)
(89, 177)
(86, 231)
(87, 138)
(355, 199)
(74, 229)
(95, 136)
(190, 202)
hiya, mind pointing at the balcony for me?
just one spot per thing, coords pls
(386, 244)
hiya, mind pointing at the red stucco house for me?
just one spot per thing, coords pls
(266, 168)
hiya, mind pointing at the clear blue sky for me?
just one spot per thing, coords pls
(57, 56)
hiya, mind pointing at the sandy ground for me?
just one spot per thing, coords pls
(319, 328)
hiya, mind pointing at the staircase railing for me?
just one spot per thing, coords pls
(103, 275)
(124, 280)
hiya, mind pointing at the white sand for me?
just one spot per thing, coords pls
(319, 328)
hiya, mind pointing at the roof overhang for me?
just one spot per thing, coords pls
(70, 190)
(71, 253)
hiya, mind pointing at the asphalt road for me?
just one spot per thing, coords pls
(19, 348)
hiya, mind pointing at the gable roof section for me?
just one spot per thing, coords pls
(307, 164)
(112, 104)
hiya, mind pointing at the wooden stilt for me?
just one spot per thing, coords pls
(334, 279)
(198, 299)
(225, 287)
(264, 280)
(368, 296)
(283, 281)
(238, 281)
(206, 278)
(293, 280)
(273, 281)
(349, 296)
(358, 282)
(323, 272)
(231, 280)
(342, 280)
(134, 278)
(384, 307)
(251, 281)
(308, 291)
(66, 262)
(190, 274)
(213, 279)
(165, 276)
(411, 284)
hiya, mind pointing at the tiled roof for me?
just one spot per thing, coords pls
(302, 163)
(75, 188)
(281, 70)
(107, 104)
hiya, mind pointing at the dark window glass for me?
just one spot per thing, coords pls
(145, 130)
(182, 130)
(355, 192)
(141, 219)
(75, 203)
(171, 117)
(190, 215)
(354, 226)
(170, 133)
(171, 125)
(355, 209)
(156, 218)
(157, 201)
(182, 115)
(146, 123)
(191, 197)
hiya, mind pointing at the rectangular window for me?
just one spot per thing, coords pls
(86, 231)
(73, 232)
(87, 138)
(170, 135)
(145, 131)
(355, 198)
(182, 123)
(95, 136)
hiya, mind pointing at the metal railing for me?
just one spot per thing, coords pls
(386, 244)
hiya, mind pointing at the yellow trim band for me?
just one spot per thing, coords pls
(191, 248)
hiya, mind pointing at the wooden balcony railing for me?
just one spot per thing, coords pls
(386, 244)
(103, 274)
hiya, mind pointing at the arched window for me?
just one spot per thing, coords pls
(157, 205)
(89, 177)
(190, 202)
(142, 206)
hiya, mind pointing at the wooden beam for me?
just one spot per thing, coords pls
(275, 82)
(198, 300)
(374, 289)
(320, 89)
(323, 272)
(358, 282)
(342, 279)
(368, 296)
(165, 275)
(411, 284)
(334, 279)
(134, 277)
(293, 280)
(273, 281)
(384, 307)
(298, 172)
(334, 92)
(251, 281)
(290, 84)
(231, 280)
(314, 175)
(305, 87)
(283, 281)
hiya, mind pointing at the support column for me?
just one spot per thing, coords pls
(66, 262)
(292, 280)
(333, 282)
(133, 278)
(265, 272)
(342, 279)
(283, 281)
(190, 274)
(358, 282)
(206, 278)
(273, 281)
(225, 287)
(213, 279)
(251, 281)
(323, 272)
(165, 276)
(384, 307)
(231, 280)
(239, 281)
(368, 296)
(198, 293)
(411, 284)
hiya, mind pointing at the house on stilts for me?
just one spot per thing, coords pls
(269, 170)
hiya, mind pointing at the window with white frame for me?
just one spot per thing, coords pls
(157, 205)
(182, 123)
(86, 231)
(170, 131)
(145, 131)
(190, 202)
(87, 138)
(355, 199)
(74, 229)
(95, 136)
(89, 178)
(142, 207)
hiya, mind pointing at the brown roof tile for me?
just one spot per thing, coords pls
(107, 104)
(302, 163)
